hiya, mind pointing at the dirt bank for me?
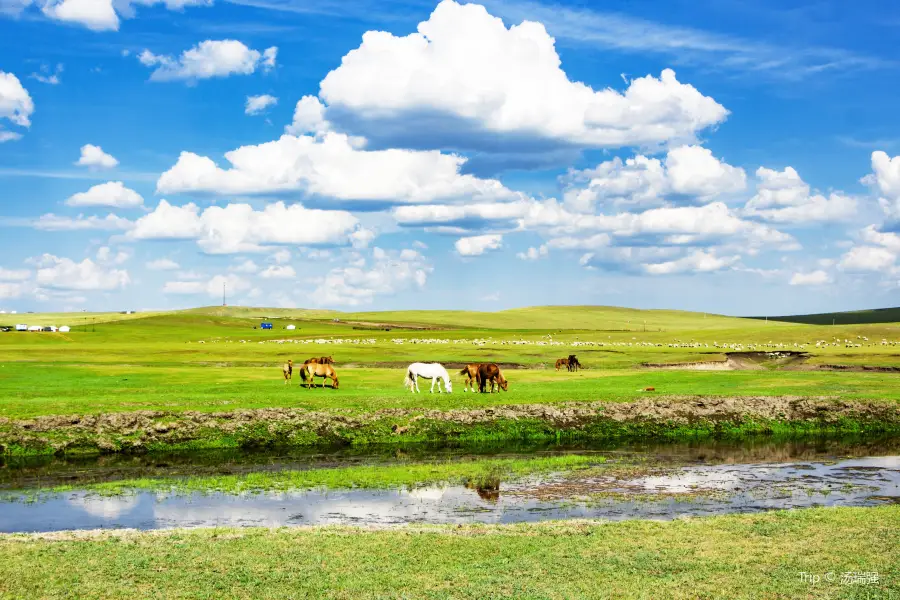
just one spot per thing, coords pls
(740, 361)
(651, 417)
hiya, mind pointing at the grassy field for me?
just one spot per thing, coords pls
(217, 359)
(119, 388)
(736, 556)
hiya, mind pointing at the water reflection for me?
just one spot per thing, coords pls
(696, 490)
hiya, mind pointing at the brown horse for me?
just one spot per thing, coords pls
(322, 360)
(573, 364)
(471, 373)
(562, 362)
(311, 370)
(288, 370)
(491, 372)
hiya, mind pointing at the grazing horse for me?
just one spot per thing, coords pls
(433, 371)
(322, 360)
(310, 370)
(471, 373)
(573, 363)
(563, 362)
(491, 372)
(288, 370)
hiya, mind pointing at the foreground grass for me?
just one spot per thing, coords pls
(367, 476)
(735, 556)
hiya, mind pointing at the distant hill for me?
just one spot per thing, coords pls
(856, 317)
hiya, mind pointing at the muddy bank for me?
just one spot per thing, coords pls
(844, 368)
(660, 417)
(740, 361)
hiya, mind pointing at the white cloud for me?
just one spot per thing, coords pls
(867, 258)
(52, 222)
(279, 272)
(331, 166)
(689, 171)
(533, 253)
(97, 15)
(697, 261)
(885, 179)
(14, 274)
(106, 256)
(783, 197)
(236, 228)
(478, 244)
(493, 297)
(258, 104)
(94, 157)
(466, 64)
(208, 59)
(163, 264)
(231, 284)
(281, 256)
(112, 193)
(889, 240)
(389, 274)
(12, 290)
(309, 117)
(676, 225)
(813, 278)
(169, 222)
(16, 105)
(65, 274)
(47, 76)
(245, 266)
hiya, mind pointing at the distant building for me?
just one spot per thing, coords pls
(21, 327)
(64, 329)
(34, 328)
(291, 327)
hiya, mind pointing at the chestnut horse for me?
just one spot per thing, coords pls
(491, 372)
(322, 360)
(311, 370)
(288, 370)
(471, 373)
(562, 362)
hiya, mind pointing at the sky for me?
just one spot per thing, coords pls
(727, 156)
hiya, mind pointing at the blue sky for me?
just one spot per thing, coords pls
(717, 155)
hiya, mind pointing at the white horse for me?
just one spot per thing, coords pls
(433, 371)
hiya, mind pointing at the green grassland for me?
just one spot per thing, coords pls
(735, 556)
(217, 359)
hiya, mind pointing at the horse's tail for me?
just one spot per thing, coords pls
(407, 381)
(465, 370)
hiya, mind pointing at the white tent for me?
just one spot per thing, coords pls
(21, 327)
(64, 329)
(291, 327)
(35, 328)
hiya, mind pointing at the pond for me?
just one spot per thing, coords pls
(663, 481)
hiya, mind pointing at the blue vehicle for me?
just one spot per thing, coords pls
(265, 326)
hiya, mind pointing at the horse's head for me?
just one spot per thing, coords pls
(504, 385)
(330, 360)
(448, 384)
(334, 382)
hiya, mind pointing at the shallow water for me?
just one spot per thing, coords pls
(683, 480)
